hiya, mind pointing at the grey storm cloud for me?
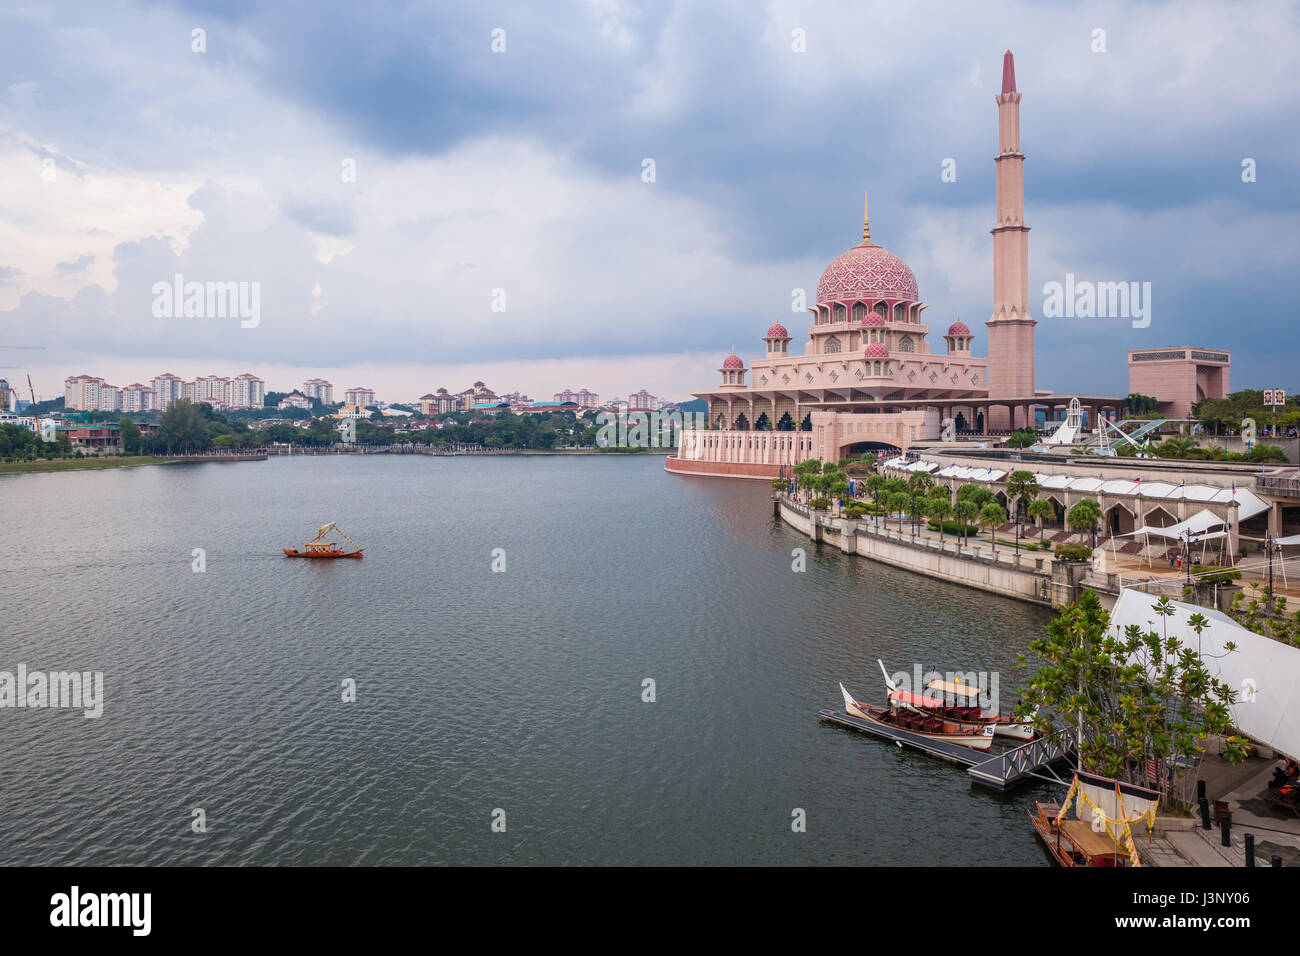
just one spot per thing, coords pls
(1133, 171)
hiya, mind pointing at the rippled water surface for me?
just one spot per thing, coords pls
(476, 690)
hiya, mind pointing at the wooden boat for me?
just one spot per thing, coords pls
(1076, 842)
(1073, 842)
(923, 725)
(941, 691)
(318, 547)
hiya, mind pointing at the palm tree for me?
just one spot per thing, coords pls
(1021, 486)
(993, 514)
(896, 502)
(940, 509)
(1040, 509)
(1084, 517)
(966, 511)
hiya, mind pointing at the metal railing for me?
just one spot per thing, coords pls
(1026, 759)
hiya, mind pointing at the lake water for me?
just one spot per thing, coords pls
(476, 690)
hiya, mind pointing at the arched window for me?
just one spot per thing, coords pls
(882, 310)
(832, 344)
(905, 344)
(806, 424)
(900, 313)
(764, 424)
(786, 423)
(876, 370)
(859, 311)
(721, 423)
(839, 312)
(742, 423)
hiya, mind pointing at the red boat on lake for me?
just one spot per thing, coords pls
(319, 547)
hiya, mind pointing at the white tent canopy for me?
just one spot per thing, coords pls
(1264, 672)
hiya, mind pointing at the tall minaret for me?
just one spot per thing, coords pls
(1011, 329)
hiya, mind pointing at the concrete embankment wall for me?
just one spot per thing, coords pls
(995, 572)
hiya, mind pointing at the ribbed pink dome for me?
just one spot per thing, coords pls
(777, 331)
(873, 318)
(733, 361)
(958, 328)
(869, 272)
(876, 350)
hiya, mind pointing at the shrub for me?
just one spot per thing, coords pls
(819, 503)
(1216, 574)
(1074, 552)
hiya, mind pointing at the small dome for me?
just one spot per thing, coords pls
(777, 331)
(876, 350)
(733, 361)
(958, 328)
(873, 318)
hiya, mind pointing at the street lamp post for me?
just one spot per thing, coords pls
(1268, 548)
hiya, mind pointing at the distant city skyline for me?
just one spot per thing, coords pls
(623, 192)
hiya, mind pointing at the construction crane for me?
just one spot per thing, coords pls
(24, 348)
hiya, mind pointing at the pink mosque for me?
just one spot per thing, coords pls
(867, 379)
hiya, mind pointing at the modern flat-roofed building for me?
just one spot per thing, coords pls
(137, 397)
(319, 389)
(294, 400)
(167, 388)
(365, 397)
(1178, 378)
(81, 392)
(583, 397)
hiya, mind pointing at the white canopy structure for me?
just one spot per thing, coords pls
(1249, 504)
(1264, 672)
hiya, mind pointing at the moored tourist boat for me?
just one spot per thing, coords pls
(928, 726)
(319, 547)
(1106, 841)
(940, 692)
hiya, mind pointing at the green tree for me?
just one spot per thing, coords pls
(183, 426)
(1021, 486)
(1084, 517)
(896, 503)
(1040, 509)
(993, 515)
(131, 438)
(1139, 404)
(1126, 698)
(967, 511)
(940, 509)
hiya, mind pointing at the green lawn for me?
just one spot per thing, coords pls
(79, 464)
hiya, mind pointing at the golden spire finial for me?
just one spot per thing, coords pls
(866, 222)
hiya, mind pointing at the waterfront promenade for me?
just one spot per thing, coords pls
(1039, 577)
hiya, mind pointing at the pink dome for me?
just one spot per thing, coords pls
(777, 331)
(733, 361)
(876, 350)
(867, 272)
(958, 328)
(873, 318)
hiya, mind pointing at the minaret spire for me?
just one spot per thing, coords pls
(866, 222)
(1011, 326)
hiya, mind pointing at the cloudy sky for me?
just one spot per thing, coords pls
(391, 181)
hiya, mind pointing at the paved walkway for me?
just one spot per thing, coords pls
(1276, 833)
